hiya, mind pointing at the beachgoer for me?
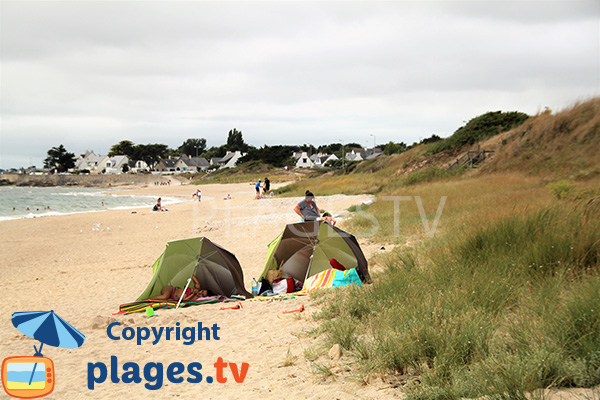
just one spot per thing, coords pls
(266, 186)
(157, 206)
(257, 187)
(169, 292)
(307, 209)
(198, 194)
(328, 218)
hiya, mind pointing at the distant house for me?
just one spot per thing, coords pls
(138, 166)
(303, 160)
(215, 161)
(231, 159)
(166, 165)
(182, 164)
(112, 165)
(191, 164)
(320, 159)
(89, 160)
(363, 154)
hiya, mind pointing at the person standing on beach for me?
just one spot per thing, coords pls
(267, 186)
(198, 194)
(257, 187)
(307, 209)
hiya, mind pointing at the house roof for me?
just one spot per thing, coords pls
(118, 160)
(195, 161)
(168, 162)
(227, 157)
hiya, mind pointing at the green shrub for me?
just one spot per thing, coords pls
(480, 128)
(562, 189)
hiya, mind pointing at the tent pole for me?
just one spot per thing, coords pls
(183, 293)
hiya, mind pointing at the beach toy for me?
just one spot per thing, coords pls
(150, 312)
(301, 309)
(238, 306)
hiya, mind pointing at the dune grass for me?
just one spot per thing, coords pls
(493, 286)
(502, 300)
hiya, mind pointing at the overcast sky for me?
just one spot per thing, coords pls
(90, 74)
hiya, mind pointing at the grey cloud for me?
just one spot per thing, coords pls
(93, 73)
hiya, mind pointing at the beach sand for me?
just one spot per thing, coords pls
(84, 266)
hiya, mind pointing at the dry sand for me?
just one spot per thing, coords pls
(82, 270)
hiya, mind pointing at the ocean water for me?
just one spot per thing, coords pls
(67, 200)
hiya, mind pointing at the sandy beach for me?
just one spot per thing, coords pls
(84, 266)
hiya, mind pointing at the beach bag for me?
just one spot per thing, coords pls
(348, 277)
(283, 286)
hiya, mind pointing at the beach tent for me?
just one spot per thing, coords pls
(216, 268)
(305, 249)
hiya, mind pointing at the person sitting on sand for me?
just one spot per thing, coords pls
(157, 206)
(307, 209)
(327, 217)
(169, 292)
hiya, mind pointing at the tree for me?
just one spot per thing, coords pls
(393, 148)
(193, 147)
(235, 141)
(150, 153)
(434, 138)
(215, 152)
(59, 159)
(123, 148)
(277, 156)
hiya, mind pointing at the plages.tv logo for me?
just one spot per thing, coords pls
(33, 377)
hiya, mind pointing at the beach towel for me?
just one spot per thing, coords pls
(331, 278)
(140, 306)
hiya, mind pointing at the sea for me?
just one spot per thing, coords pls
(31, 202)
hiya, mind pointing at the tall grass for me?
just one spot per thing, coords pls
(512, 307)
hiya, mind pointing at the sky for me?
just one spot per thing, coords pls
(88, 74)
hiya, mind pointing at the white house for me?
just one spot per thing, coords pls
(89, 160)
(304, 160)
(139, 166)
(112, 165)
(231, 159)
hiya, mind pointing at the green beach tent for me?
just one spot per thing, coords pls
(217, 269)
(305, 249)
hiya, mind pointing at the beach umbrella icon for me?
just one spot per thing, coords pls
(48, 328)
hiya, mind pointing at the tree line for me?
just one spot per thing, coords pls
(60, 160)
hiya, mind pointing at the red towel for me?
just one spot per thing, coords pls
(335, 264)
